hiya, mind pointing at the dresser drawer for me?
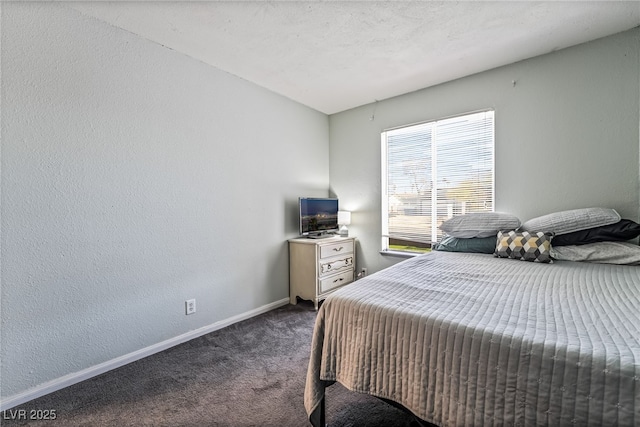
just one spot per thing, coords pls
(334, 249)
(334, 265)
(336, 281)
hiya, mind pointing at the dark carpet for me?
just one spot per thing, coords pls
(251, 373)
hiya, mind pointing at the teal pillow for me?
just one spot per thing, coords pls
(478, 245)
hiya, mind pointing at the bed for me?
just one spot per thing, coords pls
(471, 339)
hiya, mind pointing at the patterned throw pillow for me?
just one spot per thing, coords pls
(524, 245)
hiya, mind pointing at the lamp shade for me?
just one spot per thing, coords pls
(344, 217)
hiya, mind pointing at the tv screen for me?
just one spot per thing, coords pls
(318, 216)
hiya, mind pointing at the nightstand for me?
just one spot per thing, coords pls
(318, 267)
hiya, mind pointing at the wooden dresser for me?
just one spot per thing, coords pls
(318, 267)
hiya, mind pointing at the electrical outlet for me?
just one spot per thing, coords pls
(190, 306)
(363, 272)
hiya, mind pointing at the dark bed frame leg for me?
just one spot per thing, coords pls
(317, 418)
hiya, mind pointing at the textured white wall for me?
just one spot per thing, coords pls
(134, 178)
(566, 135)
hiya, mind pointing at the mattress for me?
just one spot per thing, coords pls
(469, 339)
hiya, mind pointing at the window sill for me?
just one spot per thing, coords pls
(400, 254)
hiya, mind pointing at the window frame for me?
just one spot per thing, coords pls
(385, 175)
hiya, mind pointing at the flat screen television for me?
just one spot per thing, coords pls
(318, 216)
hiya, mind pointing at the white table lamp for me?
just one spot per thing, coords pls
(344, 219)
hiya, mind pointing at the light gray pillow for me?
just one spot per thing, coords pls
(479, 224)
(573, 220)
(600, 252)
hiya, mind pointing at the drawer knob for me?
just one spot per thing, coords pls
(338, 280)
(338, 249)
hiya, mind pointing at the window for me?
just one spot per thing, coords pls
(432, 171)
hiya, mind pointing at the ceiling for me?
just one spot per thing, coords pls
(337, 55)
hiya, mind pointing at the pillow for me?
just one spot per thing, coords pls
(620, 231)
(479, 224)
(600, 252)
(570, 221)
(525, 246)
(478, 245)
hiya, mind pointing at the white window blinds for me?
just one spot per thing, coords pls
(432, 171)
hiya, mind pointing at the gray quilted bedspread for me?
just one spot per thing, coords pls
(469, 339)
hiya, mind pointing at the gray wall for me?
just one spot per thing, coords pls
(566, 135)
(134, 178)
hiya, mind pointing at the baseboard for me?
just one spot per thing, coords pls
(85, 374)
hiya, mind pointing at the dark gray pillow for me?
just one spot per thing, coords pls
(622, 230)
